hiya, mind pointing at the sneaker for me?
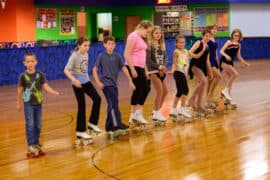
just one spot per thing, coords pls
(139, 117)
(93, 127)
(83, 135)
(123, 127)
(158, 116)
(225, 94)
(184, 112)
(233, 103)
(173, 112)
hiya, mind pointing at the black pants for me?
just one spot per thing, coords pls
(181, 83)
(143, 87)
(90, 90)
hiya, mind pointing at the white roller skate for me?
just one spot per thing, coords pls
(230, 105)
(138, 117)
(174, 114)
(183, 111)
(94, 130)
(225, 94)
(33, 152)
(83, 138)
(158, 118)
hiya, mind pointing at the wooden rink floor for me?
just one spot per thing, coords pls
(231, 145)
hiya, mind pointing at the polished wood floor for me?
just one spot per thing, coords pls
(231, 145)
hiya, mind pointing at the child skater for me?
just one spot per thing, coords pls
(200, 67)
(109, 63)
(179, 70)
(212, 44)
(135, 56)
(156, 60)
(77, 71)
(229, 51)
(31, 83)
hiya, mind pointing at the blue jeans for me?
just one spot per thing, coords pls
(32, 115)
(113, 119)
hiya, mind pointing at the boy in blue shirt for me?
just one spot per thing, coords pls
(108, 64)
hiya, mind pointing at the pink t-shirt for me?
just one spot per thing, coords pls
(138, 52)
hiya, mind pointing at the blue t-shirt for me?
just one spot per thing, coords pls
(108, 66)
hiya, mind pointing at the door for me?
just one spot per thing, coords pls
(130, 24)
(81, 21)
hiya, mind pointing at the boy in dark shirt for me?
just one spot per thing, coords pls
(30, 87)
(109, 63)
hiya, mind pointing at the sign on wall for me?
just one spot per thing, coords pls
(45, 18)
(67, 21)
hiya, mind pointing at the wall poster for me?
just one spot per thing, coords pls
(67, 21)
(46, 18)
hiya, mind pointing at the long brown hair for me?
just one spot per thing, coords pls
(80, 41)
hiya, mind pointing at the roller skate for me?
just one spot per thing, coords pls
(225, 94)
(184, 114)
(33, 152)
(111, 134)
(229, 105)
(123, 129)
(212, 105)
(40, 151)
(83, 138)
(137, 119)
(94, 130)
(158, 118)
(174, 114)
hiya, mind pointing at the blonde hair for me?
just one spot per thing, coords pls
(161, 41)
(237, 31)
(144, 24)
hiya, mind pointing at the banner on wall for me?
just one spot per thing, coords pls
(46, 18)
(67, 21)
(185, 23)
(204, 16)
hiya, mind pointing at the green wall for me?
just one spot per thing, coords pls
(118, 27)
(54, 34)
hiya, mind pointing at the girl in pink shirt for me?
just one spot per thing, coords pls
(135, 55)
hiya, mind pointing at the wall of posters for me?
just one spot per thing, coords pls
(204, 16)
(67, 21)
(46, 18)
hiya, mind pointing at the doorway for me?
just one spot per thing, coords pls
(81, 22)
(130, 24)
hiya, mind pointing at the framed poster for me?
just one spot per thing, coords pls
(46, 18)
(185, 23)
(67, 21)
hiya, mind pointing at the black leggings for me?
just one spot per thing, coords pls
(143, 87)
(90, 90)
(181, 83)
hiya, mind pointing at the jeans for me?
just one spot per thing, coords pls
(113, 119)
(32, 115)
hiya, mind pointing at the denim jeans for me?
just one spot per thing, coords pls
(113, 119)
(32, 115)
